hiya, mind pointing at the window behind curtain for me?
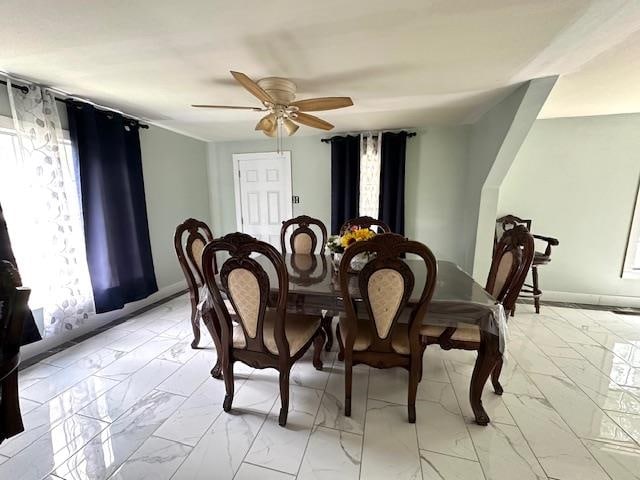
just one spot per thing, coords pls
(24, 234)
(369, 175)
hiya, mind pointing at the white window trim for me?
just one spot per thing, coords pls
(633, 243)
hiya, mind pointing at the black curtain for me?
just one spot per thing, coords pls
(345, 180)
(392, 166)
(30, 331)
(107, 152)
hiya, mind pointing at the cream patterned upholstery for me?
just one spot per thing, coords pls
(302, 243)
(299, 329)
(385, 291)
(245, 293)
(504, 268)
(399, 341)
(196, 250)
(464, 332)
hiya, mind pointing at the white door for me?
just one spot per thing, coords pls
(263, 193)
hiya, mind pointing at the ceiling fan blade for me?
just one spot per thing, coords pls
(325, 103)
(232, 107)
(268, 124)
(311, 121)
(255, 89)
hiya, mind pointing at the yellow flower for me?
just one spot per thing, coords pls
(356, 235)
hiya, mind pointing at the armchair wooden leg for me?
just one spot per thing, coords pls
(284, 396)
(495, 377)
(195, 324)
(348, 379)
(318, 343)
(340, 344)
(227, 368)
(414, 379)
(421, 366)
(327, 320)
(536, 290)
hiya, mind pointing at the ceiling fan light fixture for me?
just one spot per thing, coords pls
(289, 126)
(268, 123)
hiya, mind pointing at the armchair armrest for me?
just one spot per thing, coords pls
(549, 240)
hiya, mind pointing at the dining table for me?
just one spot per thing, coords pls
(458, 300)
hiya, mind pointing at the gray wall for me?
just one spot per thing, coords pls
(577, 179)
(176, 188)
(435, 178)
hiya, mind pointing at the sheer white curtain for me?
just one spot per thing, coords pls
(43, 211)
(370, 174)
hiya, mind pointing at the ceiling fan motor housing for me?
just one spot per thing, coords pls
(282, 90)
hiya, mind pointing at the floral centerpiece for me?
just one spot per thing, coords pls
(337, 244)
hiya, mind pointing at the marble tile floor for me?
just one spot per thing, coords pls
(136, 402)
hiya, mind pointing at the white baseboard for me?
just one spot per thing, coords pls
(591, 299)
(98, 320)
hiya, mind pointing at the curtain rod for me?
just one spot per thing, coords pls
(328, 140)
(72, 100)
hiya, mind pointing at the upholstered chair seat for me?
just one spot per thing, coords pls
(299, 330)
(364, 336)
(464, 332)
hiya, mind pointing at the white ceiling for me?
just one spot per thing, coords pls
(405, 63)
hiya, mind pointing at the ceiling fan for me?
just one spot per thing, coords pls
(278, 98)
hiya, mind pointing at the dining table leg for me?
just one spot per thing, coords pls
(488, 356)
(210, 319)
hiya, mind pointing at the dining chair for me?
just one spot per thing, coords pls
(365, 222)
(189, 240)
(539, 259)
(265, 335)
(511, 261)
(375, 336)
(303, 241)
(13, 309)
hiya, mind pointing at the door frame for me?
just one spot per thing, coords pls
(238, 157)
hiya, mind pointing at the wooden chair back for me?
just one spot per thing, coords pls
(304, 239)
(508, 222)
(512, 259)
(365, 222)
(248, 288)
(386, 284)
(189, 241)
